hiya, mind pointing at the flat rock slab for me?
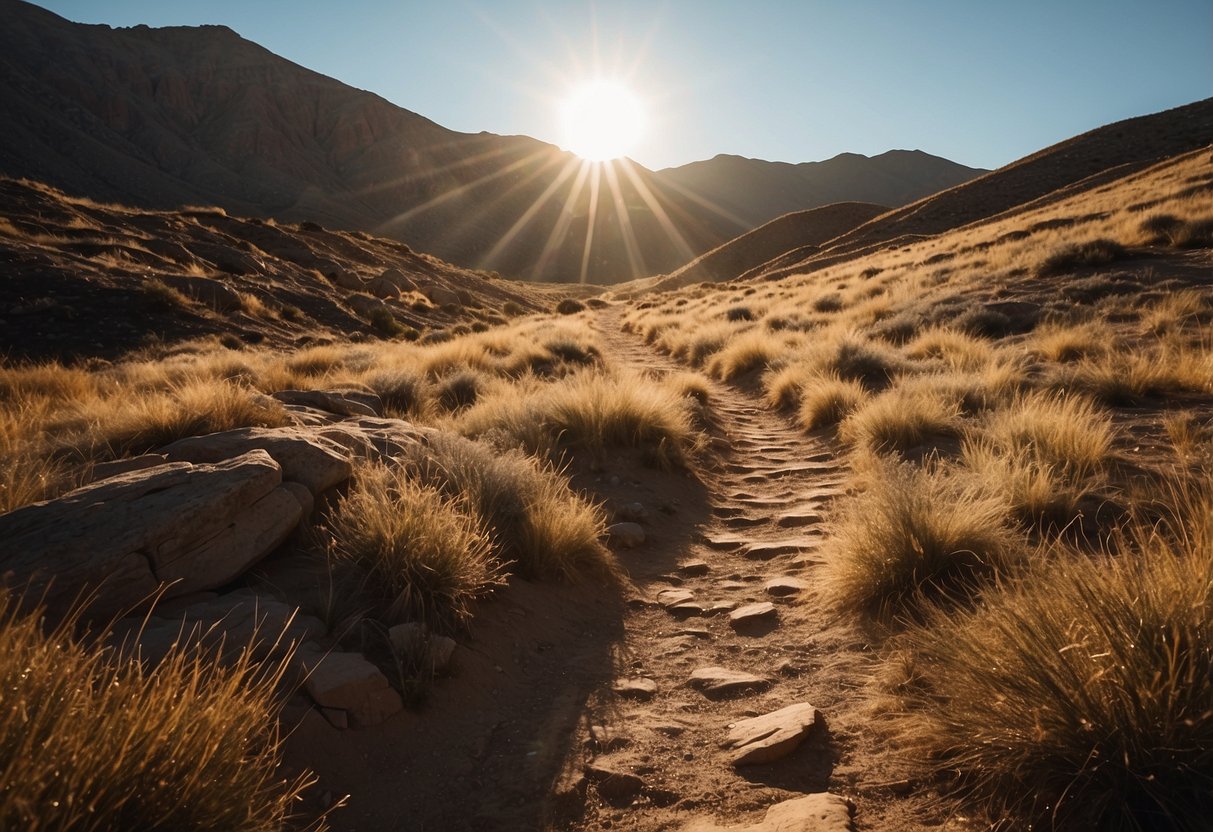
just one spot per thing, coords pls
(720, 682)
(766, 738)
(627, 535)
(775, 548)
(348, 682)
(614, 780)
(195, 527)
(640, 687)
(822, 812)
(798, 519)
(784, 586)
(725, 542)
(673, 597)
(762, 612)
(694, 569)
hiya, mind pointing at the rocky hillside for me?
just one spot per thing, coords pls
(755, 190)
(802, 231)
(163, 118)
(84, 279)
(1083, 163)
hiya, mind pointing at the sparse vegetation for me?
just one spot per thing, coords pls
(915, 537)
(406, 552)
(91, 738)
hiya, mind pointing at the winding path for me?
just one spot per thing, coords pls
(693, 665)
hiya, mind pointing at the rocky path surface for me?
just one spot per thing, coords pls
(733, 689)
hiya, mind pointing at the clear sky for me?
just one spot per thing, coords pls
(976, 81)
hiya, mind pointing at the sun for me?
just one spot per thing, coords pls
(601, 120)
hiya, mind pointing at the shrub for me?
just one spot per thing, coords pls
(1067, 433)
(405, 394)
(90, 738)
(739, 313)
(901, 420)
(407, 552)
(592, 410)
(512, 309)
(1071, 257)
(532, 517)
(1079, 698)
(826, 400)
(917, 535)
(384, 322)
(570, 306)
(459, 390)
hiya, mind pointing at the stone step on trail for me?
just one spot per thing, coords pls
(720, 682)
(820, 812)
(772, 736)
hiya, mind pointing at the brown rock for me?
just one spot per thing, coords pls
(200, 524)
(636, 688)
(784, 587)
(381, 288)
(340, 402)
(822, 812)
(719, 682)
(398, 279)
(205, 290)
(614, 781)
(351, 683)
(762, 612)
(305, 456)
(766, 738)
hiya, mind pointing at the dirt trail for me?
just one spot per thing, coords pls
(761, 543)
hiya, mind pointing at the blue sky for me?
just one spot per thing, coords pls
(979, 82)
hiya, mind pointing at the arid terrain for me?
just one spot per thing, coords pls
(867, 518)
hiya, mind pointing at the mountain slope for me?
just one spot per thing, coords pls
(755, 191)
(799, 230)
(163, 117)
(1104, 154)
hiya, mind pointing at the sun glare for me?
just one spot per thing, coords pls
(601, 120)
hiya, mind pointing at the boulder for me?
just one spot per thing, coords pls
(821, 812)
(769, 737)
(339, 402)
(627, 535)
(192, 526)
(398, 279)
(440, 295)
(305, 455)
(381, 288)
(365, 305)
(346, 280)
(350, 683)
(205, 290)
(105, 470)
(784, 586)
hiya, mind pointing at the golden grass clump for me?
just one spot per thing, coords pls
(593, 410)
(746, 353)
(532, 517)
(901, 420)
(826, 400)
(1066, 432)
(1079, 697)
(120, 425)
(91, 738)
(406, 552)
(914, 536)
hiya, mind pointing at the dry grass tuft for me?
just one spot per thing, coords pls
(901, 420)
(917, 536)
(1079, 698)
(92, 739)
(405, 552)
(533, 519)
(826, 400)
